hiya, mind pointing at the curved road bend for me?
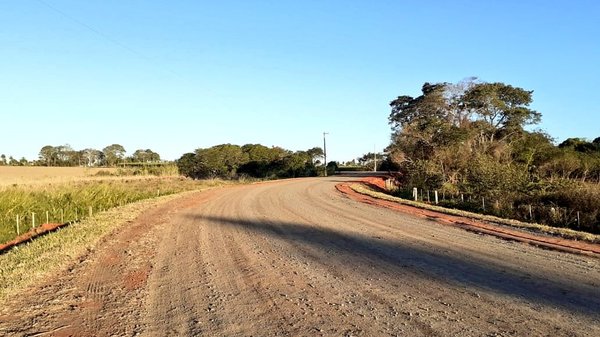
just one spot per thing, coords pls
(296, 258)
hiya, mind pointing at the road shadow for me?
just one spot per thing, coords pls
(399, 257)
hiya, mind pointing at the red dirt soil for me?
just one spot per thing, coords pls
(555, 243)
(31, 234)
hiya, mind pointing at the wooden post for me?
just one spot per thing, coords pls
(483, 203)
(530, 213)
(47, 218)
(462, 197)
(578, 223)
(32, 220)
(90, 211)
(428, 198)
(18, 229)
(435, 194)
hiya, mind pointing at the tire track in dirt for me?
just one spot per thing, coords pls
(99, 294)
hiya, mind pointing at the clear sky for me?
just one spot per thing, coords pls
(173, 76)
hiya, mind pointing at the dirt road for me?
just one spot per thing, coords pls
(296, 258)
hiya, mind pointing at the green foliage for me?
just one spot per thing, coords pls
(253, 160)
(145, 156)
(69, 202)
(111, 156)
(470, 138)
(332, 167)
(114, 154)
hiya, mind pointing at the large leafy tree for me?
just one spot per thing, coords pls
(230, 161)
(438, 135)
(48, 155)
(503, 109)
(114, 154)
(315, 153)
(92, 157)
(145, 156)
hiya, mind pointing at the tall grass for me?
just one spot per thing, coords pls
(73, 201)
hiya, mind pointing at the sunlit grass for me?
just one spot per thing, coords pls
(562, 232)
(60, 203)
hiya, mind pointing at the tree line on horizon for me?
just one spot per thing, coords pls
(474, 138)
(65, 156)
(251, 160)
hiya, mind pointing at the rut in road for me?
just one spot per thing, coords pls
(296, 258)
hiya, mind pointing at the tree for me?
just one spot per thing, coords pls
(92, 157)
(255, 160)
(3, 159)
(579, 145)
(114, 154)
(64, 155)
(48, 155)
(190, 166)
(145, 156)
(503, 108)
(438, 134)
(315, 154)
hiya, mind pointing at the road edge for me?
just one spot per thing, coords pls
(552, 243)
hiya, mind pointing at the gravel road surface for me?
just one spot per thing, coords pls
(297, 258)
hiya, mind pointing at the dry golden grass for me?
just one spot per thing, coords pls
(25, 175)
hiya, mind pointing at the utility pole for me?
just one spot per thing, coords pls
(325, 152)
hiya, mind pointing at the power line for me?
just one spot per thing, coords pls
(104, 36)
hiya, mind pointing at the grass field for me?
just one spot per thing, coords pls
(10, 175)
(30, 196)
(69, 193)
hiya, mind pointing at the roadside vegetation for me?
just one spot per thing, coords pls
(472, 142)
(566, 233)
(26, 264)
(229, 161)
(32, 205)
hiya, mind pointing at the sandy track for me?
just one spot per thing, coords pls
(296, 258)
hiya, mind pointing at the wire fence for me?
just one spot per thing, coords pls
(552, 215)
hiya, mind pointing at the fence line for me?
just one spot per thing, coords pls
(552, 215)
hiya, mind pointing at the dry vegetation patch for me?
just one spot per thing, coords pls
(562, 232)
(30, 175)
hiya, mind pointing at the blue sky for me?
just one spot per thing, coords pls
(173, 76)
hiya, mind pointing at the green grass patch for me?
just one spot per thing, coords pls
(24, 265)
(60, 203)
